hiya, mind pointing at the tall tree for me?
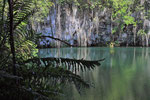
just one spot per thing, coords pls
(11, 35)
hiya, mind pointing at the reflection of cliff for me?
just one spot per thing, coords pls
(78, 53)
(124, 75)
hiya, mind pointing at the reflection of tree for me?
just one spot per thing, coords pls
(129, 81)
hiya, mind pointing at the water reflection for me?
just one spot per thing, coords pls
(124, 75)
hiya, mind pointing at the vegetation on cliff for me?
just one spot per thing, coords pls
(97, 22)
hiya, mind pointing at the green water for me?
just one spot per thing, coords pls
(124, 75)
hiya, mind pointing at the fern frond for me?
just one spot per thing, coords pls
(57, 70)
(22, 10)
(22, 17)
(70, 64)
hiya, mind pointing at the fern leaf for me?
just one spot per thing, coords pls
(70, 64)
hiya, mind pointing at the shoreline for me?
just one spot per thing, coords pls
(94, 46)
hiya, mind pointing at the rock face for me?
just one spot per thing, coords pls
(77, 26)
(80, 27)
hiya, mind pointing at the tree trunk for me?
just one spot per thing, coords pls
(11, 35)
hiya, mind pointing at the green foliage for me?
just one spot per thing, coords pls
(129, 20)
(83, 4)
(26, 50)
(121, 14)
(114, 30)
(141, 32)
(42, 10)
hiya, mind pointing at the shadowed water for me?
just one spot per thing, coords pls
(124, 75)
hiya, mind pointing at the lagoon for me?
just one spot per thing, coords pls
(123, 75)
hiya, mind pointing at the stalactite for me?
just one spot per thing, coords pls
(147, 38)
(134, 33)
(58, 24)
(96, 22)
(143, 42)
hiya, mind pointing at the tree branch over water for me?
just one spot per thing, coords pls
(57, 40)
